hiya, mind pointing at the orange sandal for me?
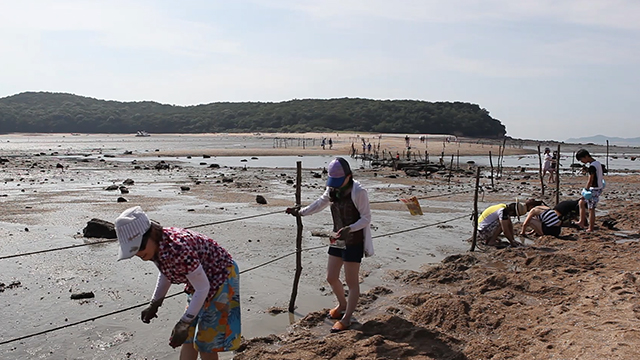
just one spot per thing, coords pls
(339, 326)
(335, 314)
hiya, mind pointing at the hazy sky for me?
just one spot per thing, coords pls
(548, 69)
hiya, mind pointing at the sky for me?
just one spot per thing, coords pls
(547, 69)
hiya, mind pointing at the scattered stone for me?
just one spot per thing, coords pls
(254, 158)
(243, 160)
(13, 285)
(185, 188)
(112, 187)
(124, 190)
(83, 295)
(289, 181)
(109, 156)
(214, 166)
(206, 156)
(128, 182)
(128, 152)
(121, 199)
(191, 210)
(261, 200)
(162, 166)
(203, 163)
(59, 166)
(97, 228)
(274, 310)
(227, 180)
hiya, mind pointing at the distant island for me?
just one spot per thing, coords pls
(46, 112)
(602, 140)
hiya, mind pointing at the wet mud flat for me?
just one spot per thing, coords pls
(46, 206)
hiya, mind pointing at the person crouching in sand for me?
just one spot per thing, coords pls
(496, 220)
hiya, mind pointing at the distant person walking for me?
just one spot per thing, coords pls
(330, 144)
(592, 191)
(324, 140)
(407, 141)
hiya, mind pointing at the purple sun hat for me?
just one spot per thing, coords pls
(339, 169)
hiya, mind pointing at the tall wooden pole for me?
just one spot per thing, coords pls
(491, 163)
(540, 172)
(558, 177)
(296, 280)
(607, 160)
(504, 145)
(475, 212)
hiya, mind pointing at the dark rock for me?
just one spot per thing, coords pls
(121, 199)
(59, 166)
(162, 166)
(185, 188)
(124, 190)
(227, 180)
(109, 156)
(243, 160)
(206, 156)
(128, 182)
(214, 166)
(97, 228)
(261, 200)
(83, 295)
(112, 187)
(128, 152)
(254, 158)
(289, 181)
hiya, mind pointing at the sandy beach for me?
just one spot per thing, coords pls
(424, 295)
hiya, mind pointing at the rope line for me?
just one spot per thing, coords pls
(114, 240)
(241, 272)
(420, 227)
(423, 197)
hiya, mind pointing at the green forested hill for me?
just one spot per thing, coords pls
(58, 112)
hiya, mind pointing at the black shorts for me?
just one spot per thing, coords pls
(350, 254)
(551, 230)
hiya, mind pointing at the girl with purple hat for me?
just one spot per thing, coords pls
(349, 204)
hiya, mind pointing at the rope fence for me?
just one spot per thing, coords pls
(241, 272)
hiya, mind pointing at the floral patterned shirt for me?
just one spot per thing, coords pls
(182, 251)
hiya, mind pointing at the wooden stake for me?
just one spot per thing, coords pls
(558, 177)
(296, 280)
(475, 212)
(607, 159)
(540, 172)
(491, 163)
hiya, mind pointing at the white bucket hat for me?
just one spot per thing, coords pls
(130, 226)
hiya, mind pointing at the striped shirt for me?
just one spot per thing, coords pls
(549, 218)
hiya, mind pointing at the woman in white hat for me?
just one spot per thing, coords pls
(211, 322)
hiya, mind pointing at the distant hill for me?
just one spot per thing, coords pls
(59, 112)
(602, 140)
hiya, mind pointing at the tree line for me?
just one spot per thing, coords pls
(60, 113)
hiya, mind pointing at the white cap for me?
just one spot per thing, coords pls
(130, 226)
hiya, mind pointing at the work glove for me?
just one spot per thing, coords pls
(150, 311)
(295, 211)
(344, 233)
(179, 334)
